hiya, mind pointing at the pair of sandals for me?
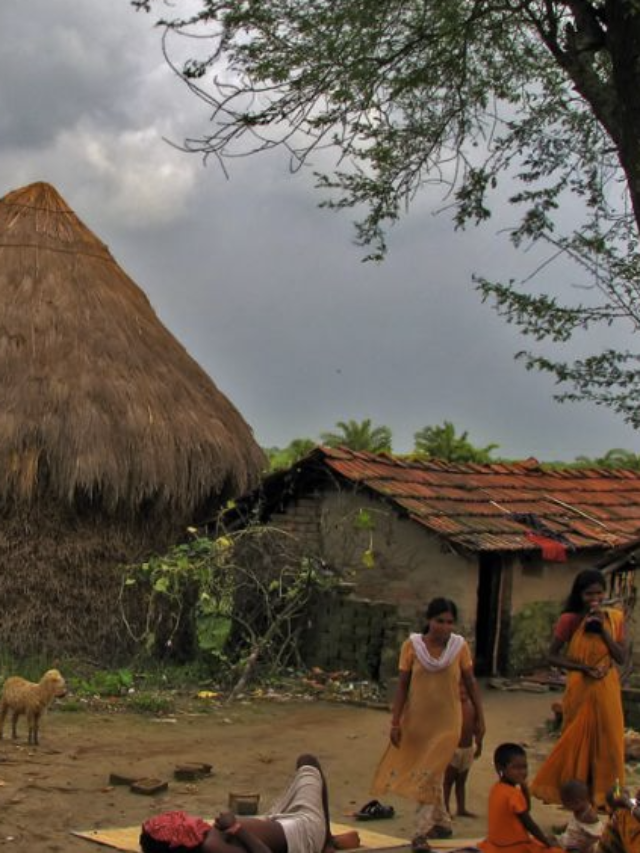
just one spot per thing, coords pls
(374, 810)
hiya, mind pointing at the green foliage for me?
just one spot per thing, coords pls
(442, 442)
(69, 706)
(280, 458)
(541, 100)
(102, 683)
(359, 435)
(192, 581)
(150, 703)
(364, 520)
(234, 593)
(614, 458)
(32, 668)
(531, 632)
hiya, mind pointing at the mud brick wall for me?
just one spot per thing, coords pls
(302, 520)
(358, 635)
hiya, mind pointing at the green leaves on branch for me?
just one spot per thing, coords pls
(538, 101)
(238, 593)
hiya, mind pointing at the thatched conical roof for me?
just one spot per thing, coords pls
(101, 405)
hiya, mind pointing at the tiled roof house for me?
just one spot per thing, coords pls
(493, 537)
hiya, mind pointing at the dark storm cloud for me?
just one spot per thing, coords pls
(60, 60)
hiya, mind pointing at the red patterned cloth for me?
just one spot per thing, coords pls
(177, 829)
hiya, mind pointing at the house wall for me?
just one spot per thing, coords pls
(409, 565)
(535, 580)
(390, 559)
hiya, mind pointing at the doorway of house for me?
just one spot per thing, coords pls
(488, 617)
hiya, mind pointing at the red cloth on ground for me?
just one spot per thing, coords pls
(177, 829)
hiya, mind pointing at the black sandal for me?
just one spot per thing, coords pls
(374, 810)
(420, 844)
(438, 831)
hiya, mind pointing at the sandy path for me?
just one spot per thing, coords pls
(63, 784)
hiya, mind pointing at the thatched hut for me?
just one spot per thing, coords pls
(112, 438)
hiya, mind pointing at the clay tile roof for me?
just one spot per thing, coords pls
(473, 505)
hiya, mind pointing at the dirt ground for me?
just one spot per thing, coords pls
(62, 785)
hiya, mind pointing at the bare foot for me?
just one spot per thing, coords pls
(466, 813)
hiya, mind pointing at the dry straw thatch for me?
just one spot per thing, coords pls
(99, 401)
(106, 422)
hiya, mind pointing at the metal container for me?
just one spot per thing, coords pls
(244, 804)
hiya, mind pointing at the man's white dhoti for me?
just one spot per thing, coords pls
(300, 812)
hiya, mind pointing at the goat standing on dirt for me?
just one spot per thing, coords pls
(24, 697)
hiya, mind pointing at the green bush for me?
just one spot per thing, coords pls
(150, 703)
(531, 632)
(103, 683)
(70, 706)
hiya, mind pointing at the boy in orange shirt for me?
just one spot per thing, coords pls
(510, 821)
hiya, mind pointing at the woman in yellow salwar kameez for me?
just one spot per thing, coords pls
(588, 641)
(427, 720)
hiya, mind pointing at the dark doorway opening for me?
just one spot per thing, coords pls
(488, 617)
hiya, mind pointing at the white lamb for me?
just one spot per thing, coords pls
(24, 697)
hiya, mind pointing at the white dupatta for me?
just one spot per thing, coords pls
(449, 653)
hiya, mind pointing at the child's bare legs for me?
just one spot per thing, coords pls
(461, 794)
(450, 779)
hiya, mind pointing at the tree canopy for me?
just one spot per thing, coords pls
(442, 442)
(285, 457)
(538, 100)
(617, 457)
(359, 435)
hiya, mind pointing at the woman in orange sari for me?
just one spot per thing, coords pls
(588, 641)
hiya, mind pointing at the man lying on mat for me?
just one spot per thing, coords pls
(298, 822)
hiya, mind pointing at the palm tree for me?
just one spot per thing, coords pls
(441, 442)
(359, 435)
(617, 457)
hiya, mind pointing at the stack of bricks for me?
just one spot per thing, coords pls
(350, 634)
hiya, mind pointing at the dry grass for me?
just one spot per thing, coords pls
(101, 404)
(112, 438)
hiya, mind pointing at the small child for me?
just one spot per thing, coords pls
(510, 823)
(622, 832)
(585, 827)
(460, 765)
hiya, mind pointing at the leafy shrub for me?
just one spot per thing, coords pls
(69, 706)
(150, 703)
(531, 631)
(103, 683)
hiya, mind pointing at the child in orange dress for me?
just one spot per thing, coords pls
(510, 823)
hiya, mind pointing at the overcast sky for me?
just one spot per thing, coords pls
(266, 291)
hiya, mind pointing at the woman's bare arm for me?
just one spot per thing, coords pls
(533, 829)
(399, 701)
(619, 651)
(557, 658)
